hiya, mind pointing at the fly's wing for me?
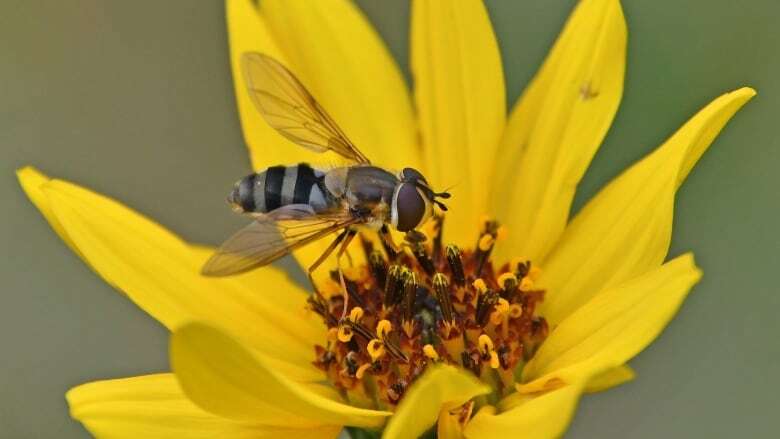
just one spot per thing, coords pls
(289, 108)
(272, 236)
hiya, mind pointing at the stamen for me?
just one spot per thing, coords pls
(416, 242)
(487, 351)
(410, 294)
(456, 265)
(393, 285)
(441, 286)
(438, 222)
(485, 305)
(508, 283)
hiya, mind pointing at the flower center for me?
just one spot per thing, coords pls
(428, 303)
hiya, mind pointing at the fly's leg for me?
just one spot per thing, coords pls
(387, 240)
(348, 236)
(321, 259)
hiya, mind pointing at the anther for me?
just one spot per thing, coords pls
(392, 285)
(430, 352)
(508, 283)
(378, 267)
(486, 348)
(410, 293)
(437, 239)
(456, 265)
(416, 242)
(484, 248)
(521, 267)
(485, 305)
(351, 363)
(441, 286)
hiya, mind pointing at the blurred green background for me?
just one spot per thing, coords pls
(134, 99)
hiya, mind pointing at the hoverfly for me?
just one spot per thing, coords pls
(293, 206)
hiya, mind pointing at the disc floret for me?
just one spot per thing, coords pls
(428, 304)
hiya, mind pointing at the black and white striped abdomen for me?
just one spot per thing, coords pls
(279, 186)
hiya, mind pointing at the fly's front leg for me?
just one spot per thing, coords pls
(387, 240)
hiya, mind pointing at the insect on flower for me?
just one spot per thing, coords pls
(295, 205)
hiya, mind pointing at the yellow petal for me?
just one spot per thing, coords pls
(557, 126)
(225, 378)
(610, 378)
(540, 417)
(154, 407)
(448, 425)
(459, 92)
(32, 182)
(439, 388)
(626, 229)
(160, 273)
(612, 327)
(336, 52)
(248, 32)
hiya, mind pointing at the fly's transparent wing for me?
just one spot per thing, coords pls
(272, 236)
(289, 108)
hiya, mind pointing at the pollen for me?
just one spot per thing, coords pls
(480, 286)
(376, 349)
(430, 303)
(430, 352)
(486, 242)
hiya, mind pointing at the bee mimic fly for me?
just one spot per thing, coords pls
(295, 205)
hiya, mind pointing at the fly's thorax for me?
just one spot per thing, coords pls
(368, 187)
(279, 186)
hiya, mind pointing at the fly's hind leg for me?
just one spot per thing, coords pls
(348, 236)
(328, 251)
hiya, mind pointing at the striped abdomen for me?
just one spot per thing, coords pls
(280, 186)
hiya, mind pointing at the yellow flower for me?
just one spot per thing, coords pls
(513, 346)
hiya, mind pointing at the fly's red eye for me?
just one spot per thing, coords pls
(409, 206)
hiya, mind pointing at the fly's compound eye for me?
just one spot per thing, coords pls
(412, 175)
(410, 208)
